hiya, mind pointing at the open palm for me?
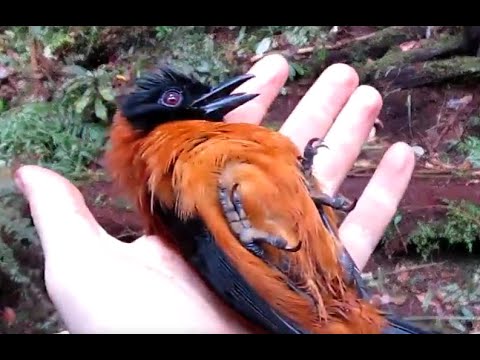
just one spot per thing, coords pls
(100, 284)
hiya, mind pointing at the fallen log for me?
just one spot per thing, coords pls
(366, 48)
(465, 69)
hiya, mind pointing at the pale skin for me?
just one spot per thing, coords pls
(100, 285)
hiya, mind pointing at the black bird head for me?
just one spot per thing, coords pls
(168, 95)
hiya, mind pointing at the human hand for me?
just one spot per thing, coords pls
(99, 284)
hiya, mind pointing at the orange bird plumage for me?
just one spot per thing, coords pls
(238, 201)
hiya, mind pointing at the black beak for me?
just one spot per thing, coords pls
(218, 102)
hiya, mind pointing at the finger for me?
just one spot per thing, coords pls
(363, 228)
(346, 137)
(63, 221)
(318, 109)
(271, 73)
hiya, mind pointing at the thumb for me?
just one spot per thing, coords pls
(63, 221)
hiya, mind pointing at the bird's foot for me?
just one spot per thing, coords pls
(249, 236)
(311, 149)
(352, 272)
(338, 202)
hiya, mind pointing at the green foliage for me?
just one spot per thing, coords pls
(460, 227)
(88, 93)
(54, 37)
(297, 69)
(249, 37)
(303, 35)
(425, 238)
(393, 228)
(470, 147)
(3, 105)
(192, 50)
(47, 135)
(163, 31)
(17, 39)
(21, 266)
(17, 229)
(461, 299)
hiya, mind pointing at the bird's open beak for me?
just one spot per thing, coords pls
(218, 102)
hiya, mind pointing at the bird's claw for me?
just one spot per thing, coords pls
(352, 273)
(249, 236)
(311, 149)
(338, 202)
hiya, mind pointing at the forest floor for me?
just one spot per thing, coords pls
(438, 289)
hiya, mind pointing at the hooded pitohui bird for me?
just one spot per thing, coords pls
(238, 201)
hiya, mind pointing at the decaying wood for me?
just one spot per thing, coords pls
(461, 68)
(366, 48)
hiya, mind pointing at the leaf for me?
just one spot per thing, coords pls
(83, 101)
(36, 31)
(397, 300)
(107, 93)
(9, 316)
(74, 70)
(74, 86)
(5, 72)
(291, 72)
(204, 67)
(3, 105)
(241, 35)
(397, 219)
(409, 45)
(403, 277)
(466, 312)
(427, 299)
(100, 109)
(451, 287)
(263, 46)
(457, 325)
(298, 68)
(457, 103)
(418, 150)
(93, 133)
(321, 54)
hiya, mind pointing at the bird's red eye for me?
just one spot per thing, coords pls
(171, 98)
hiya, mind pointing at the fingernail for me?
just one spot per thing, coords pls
(404, 156)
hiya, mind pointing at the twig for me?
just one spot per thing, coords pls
(409, 108)
(343, 43)
(442, 318)
(258, 57)
(305, 50)
(311, 49)
(422, 207)
(444, 131)
(418, 174)
(415, 267)
(367, 171)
